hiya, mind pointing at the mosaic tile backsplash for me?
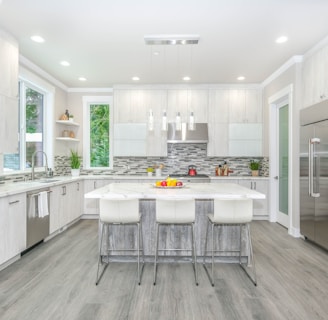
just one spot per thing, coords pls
(179, 157)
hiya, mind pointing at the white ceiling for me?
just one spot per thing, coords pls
(104, 39)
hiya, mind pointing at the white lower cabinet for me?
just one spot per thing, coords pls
(66, 204)
(260, 207)
(12, 226)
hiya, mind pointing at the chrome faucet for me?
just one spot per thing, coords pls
(33, 158)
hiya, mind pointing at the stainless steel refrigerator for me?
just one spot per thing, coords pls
(314, 173)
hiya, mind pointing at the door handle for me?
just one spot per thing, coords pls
(312, 163)
(276, 178)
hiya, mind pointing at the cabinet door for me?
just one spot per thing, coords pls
(56, 208)
(9, 125)
(12, 226)
(218, 110)
(8, 65)
(237, 105)
(74, 197)
(198, 104)
(261, 206)
(253, 106)
(177, 101)
(218, 139)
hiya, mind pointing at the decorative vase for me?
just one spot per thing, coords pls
(255, 173)
(75, 172)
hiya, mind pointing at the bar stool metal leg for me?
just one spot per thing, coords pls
(140, 247)
(210, 276)
(251, 256)
(194, 252)
(156, 252)
(100, 262)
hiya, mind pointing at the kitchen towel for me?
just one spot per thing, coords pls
(43, 204)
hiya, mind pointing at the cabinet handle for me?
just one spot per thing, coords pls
(64, 190)
(94, 184)
(254, 185)
(13, 202)
(78, 186)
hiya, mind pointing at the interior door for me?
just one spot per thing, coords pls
(283, 159)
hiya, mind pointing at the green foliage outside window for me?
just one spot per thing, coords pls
(99, 135)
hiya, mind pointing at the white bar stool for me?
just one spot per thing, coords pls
(230, 212)
(179, 212)
(119, 212)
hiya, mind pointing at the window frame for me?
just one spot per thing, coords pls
(87, 101)
(28, 79)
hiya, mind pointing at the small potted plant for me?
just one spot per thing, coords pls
(254, 166)
(71, 117)
(75, 163)
(150, 171)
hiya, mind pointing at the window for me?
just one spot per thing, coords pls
(34, 125)
(97, 133)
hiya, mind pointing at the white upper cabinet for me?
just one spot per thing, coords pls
(8, 65)
(8, 93)
(238, 108)
(8, 125)
(315, 77)
(218, 110)
(186, 101)
(245, 106)
(219, 106)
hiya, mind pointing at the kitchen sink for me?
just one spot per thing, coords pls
(48, 180)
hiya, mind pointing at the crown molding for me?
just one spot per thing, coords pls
(293, 60)
(33, 67)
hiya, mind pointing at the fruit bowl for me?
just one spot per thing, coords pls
(168, 187)
(169, 183)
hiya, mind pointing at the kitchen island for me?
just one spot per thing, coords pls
(204, 193)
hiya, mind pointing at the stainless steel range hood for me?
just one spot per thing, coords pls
(198, 135)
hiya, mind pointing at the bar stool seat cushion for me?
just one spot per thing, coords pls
(119, 211)
(232, 212)
(175, 212)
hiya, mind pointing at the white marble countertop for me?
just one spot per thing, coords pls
(11, 188)
(191, 190)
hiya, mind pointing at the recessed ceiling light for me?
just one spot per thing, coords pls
(82, 79)
(156, 53)
(38, 39)
(281, 39)
(135, 78)
(241, 78)
(65, 63)
(186, 78)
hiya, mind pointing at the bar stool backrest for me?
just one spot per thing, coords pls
(233, 210)
(175, 210)
(119, 210)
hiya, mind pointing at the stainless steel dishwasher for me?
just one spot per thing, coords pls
(37, 229)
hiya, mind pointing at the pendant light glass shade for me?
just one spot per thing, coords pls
(150, 120)
(164, 121)
(192, 121)
(178, 122)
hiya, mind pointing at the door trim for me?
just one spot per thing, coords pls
(274, 101)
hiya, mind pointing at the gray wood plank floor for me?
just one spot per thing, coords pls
(56, 281)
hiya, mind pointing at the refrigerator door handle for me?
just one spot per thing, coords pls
(312, 143)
